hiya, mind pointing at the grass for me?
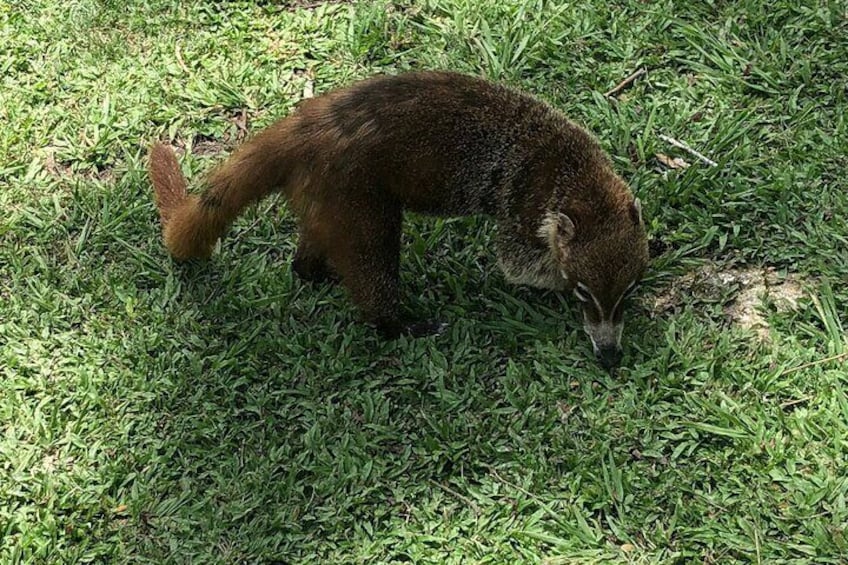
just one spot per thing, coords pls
(226, 413)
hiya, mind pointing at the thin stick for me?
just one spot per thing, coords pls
(681, 145)
(626, 82)
(180, 61)
(527, 493)
(513, 485)
(816, 362)
(463, 498)
(790, 403)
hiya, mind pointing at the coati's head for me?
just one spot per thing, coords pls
(602, 252)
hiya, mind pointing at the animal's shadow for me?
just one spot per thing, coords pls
(290, 419)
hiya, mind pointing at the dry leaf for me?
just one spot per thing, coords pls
(309, 85)
(308, 82)
(672, 163)
(564, 411)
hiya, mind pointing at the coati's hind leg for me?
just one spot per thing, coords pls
(310, 260)
(366, 255)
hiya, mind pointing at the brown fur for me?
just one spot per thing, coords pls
(351, 161)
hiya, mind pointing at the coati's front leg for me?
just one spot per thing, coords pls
(366, 254)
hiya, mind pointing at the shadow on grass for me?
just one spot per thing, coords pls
(287, 430)
(227, 413)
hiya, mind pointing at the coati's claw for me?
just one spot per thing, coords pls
(424, 329)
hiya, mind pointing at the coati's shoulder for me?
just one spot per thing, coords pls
(408, 103)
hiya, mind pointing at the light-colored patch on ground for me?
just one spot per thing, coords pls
(52, 166)
(59, 169)
(758, 286)
(746, 291)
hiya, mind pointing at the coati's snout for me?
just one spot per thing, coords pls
(603, 324)
(609, 357)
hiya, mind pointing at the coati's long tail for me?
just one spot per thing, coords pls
(191, 224)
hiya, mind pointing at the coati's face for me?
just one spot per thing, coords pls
(602, 264)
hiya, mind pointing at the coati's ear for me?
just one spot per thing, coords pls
(636, 211)
(565, 228)
(558, 230)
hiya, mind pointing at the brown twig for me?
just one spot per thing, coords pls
(626, 82)
(526, 493)
(685, 147)
(463, 498)
(816, 362)
(790, 403)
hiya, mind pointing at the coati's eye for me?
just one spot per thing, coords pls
(582, 293)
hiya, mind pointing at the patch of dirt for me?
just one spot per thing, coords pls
(757, 287)
(657, 247)
(60, 169)
(54, 167)
(239, 120)
(104, 175)
(50, 462)
(308, 76)
(743, 291)
(206, 147)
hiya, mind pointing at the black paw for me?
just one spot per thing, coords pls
(393, 329)
(313, 270)
(424, 329)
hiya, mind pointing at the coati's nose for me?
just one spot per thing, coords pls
(609, 357)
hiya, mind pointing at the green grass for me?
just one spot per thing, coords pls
(226, 413)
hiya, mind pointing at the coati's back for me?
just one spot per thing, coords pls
(440, 142)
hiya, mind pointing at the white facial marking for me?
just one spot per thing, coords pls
(585, 292)
(624, 295)
(605, 333)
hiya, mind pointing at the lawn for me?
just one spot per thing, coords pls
(225, 412)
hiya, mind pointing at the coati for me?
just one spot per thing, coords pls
(351, 161)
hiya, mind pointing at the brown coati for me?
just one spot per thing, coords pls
(351, 161)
